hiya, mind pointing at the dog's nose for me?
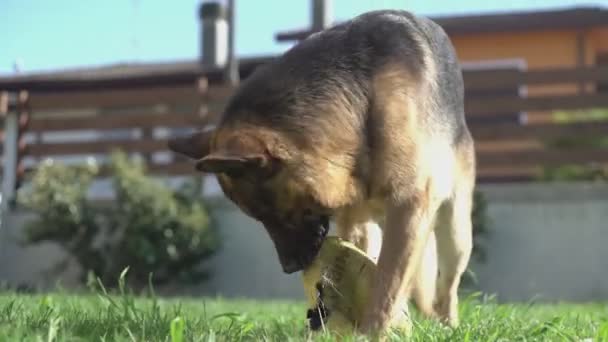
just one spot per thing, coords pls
(291, 266)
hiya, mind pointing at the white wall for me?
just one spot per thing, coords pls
(547, 241)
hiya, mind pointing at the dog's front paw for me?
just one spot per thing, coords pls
(373, 322)
(379, 317)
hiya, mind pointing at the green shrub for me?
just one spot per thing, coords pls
(148, 227)
(583, 115)
(481, 228)
(569, 173)
(481, 225)
(577, 172)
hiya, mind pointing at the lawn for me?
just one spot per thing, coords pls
(100, 317)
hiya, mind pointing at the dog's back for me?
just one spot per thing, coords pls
(333, 71)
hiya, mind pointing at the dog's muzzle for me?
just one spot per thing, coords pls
(299, 253)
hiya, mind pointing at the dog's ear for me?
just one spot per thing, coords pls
(241, 154)
(194, 146)
(236, 165)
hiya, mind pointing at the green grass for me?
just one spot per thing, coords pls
(64, 317)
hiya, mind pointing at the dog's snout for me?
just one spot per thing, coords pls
(291, 266)
(299, 245)
(299, 262)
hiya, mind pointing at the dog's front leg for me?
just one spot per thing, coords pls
(406, 231)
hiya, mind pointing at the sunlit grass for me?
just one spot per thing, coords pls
(122, 317)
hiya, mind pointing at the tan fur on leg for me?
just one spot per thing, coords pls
(362, 232)
(407, 229)
(454, 233)
(425, 282)
(454, 242)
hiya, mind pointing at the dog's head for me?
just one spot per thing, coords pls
(261, 177)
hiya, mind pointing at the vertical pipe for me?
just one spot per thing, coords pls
(321, 14)
(214, 35)
(231, 72)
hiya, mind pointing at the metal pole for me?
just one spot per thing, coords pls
(231, 72)
(214, 34)
(321, 14)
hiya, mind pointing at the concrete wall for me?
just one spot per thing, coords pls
(247, 265)
(547, 241)
(29, 266)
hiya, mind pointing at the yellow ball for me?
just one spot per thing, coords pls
(337, 287)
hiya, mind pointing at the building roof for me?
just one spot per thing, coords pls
(124, 75)
(567, 18)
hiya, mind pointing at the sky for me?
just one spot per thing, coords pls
(46, 35)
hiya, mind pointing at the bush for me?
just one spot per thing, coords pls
(481, 228)
(577, 172)
(148, 227)
(481, 225)
(569, 173)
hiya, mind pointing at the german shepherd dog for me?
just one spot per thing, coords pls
(362, 122)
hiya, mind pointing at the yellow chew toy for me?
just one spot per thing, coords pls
(337, 286)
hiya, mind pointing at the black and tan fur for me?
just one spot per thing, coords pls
(363, 122)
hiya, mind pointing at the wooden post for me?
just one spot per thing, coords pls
(321, 14)
(9, 176)
(581, 56)
(10, 153)
(4, 103)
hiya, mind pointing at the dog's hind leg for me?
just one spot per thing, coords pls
(454, 245)
(425, 282)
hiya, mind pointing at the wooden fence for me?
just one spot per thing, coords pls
(509, 150)
(513, 130)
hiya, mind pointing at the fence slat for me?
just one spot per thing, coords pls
(507, 174)
(113, 98)
(496, 79)
(508, 145)
(170, 169)
(480, 107)
(96, 147)
(102, 122)
(178, 168)
(133, 97)
(547, 157)
(541, 131)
